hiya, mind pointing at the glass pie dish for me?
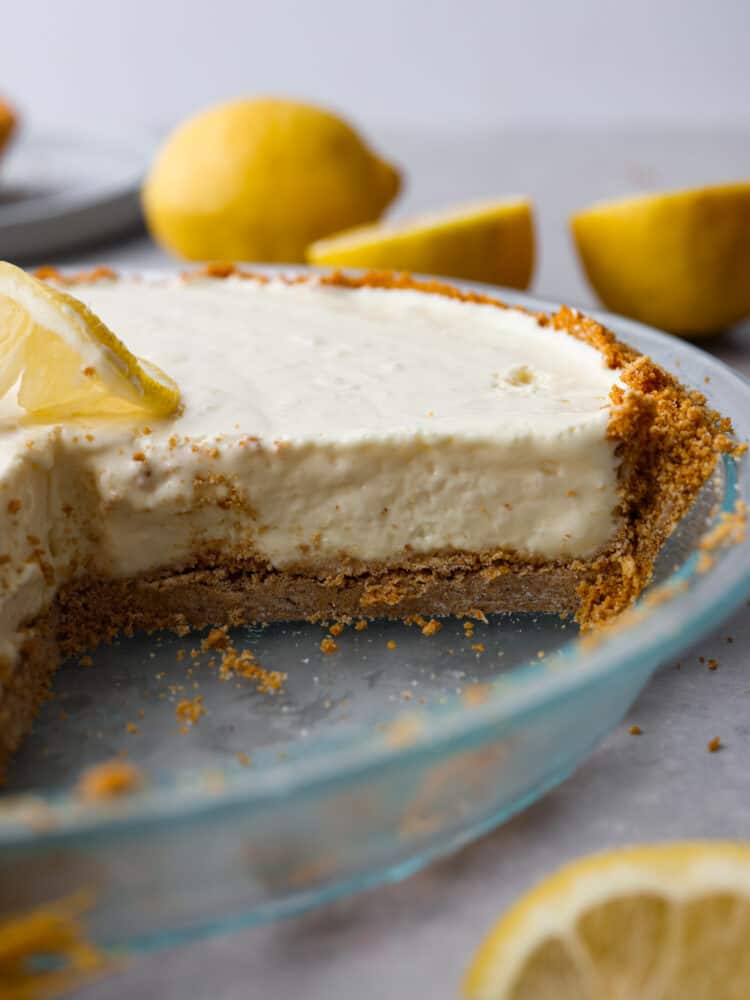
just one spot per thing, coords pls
(370, 762)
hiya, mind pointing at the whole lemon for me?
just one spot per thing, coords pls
(260, 179)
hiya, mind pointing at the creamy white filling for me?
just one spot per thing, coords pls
(318, 422)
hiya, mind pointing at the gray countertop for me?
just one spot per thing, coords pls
(416, 937)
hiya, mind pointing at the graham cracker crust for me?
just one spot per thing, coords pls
(94, 611)
(667, 438)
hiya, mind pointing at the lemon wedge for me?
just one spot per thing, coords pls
(679, 261)
(65, 361)
(488, 241)
(659, 922)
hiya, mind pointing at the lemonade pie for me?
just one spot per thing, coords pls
(261, 449)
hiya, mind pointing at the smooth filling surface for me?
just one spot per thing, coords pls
(319, 424)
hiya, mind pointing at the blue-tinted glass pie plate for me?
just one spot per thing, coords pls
(373, 760)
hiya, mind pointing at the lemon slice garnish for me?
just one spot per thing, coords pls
(489, 241)
(65, 361)
(678, 260)
(657, 922)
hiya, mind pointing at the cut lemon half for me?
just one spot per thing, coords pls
(679, 260)
(65, 362)
(488, 241)
(661, 922)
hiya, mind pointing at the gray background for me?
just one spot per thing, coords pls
(566, 101)
(469, 64)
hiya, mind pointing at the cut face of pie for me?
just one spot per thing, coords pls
(345, 448)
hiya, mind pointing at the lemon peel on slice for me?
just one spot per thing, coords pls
(490, 241)
(679, 260)
(656, 922)
(66, 362)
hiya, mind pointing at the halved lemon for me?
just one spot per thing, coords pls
(489, 241)
(660, 922)
(679, 260)
(65, 362)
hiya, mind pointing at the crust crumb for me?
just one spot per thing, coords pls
(217, 638)
(189, 712)
(110, 780)
(432, 627)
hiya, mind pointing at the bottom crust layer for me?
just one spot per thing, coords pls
(89, 612)
(95, 611)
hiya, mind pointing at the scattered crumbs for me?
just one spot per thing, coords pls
(540, 654)
(62, 715)
(391, 644)
(180, 655)
(217, 638)
(572, 493)
(730, 639)
(244, 664)
(432, 627)
(244, 759)
(361, 625)
(328, 645)
(713, 664)
(706, 379)
(109, 780)
(138, 456)
(337, 628)
(478, 614)
(714, 745)
(194, 654)
(478, 647)
(14, 506)
(130, 727)
(701, 659)
(85, 661)
(407, 695)
(189, 712)
(141, 714)
(635, 730)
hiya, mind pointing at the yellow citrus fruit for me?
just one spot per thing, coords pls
(659, 922)
(679, 261)
(261, 179)
(7, 123)
(65, 361)
(489, 241)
